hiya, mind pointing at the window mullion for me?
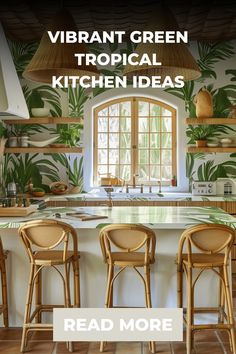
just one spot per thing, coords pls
(134, 137)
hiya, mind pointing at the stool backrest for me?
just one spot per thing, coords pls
(128, 238)
(47, 235)
(208, 238)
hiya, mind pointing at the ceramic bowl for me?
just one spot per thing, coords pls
(212, 144)
(40, 112)
(44, 142)
(226, 141)
(38, 194)
(59, 188)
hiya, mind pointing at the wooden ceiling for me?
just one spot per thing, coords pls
(213, 21)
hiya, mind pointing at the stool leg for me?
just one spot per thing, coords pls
(109, 285)
(4, 293)
(28, 307)
(221, 297)
(180, 286)
(109, 295)
(152, 345)
(76, 268)
(67, 297)
(66, 286)
(38, 293)
(189, 337)
(110, 299)
(147, 286)
(67, 279)
(230, 308)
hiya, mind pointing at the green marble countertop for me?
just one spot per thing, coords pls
(151, 216)
(165, 196)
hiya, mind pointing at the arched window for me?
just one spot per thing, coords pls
(135, 136)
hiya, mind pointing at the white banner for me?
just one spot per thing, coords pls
(117, 324)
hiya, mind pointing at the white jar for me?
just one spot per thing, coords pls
(24, 141)
(13, 141)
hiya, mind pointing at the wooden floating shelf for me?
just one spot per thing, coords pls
(47, 120)
(45, 150)
(211, 149)
(199, 121)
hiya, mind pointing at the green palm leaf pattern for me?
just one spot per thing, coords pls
(43, 94)
(185, 93)
(210, 172)
(22, 53)
(190, 159)
(74, 170)
(210, 54)
(25, 168)
(77, 98)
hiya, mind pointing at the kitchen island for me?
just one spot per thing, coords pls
(168, 223)
(134, 198)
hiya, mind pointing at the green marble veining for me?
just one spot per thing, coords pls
(152, 216)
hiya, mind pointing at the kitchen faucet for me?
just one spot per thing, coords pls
(134, 180)
(134, 184)
(109, 190)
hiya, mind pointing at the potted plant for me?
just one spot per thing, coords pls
(200, 134)
(69, 134)
(174, 181)
(75, 175)
(12, 138)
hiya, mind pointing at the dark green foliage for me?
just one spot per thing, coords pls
(37, 97)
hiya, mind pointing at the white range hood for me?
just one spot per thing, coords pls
(12, 101)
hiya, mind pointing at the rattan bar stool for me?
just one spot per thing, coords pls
(4, 305)
(214, 241)
(41, 238)
(128, 246)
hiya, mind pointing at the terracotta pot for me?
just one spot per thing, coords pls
(201, 143)
(173, 182)
(38, 194)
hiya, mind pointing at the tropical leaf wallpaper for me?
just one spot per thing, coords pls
(217, 64)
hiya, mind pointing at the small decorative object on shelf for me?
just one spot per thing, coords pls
(23, 140)
(226, 142)
(59, 188)
(212, 144)
(38, 192)
(11, 189)
(203, 103)
(200, 134)
(232, 113)
(43, 143)
(174, 181)
(12, 141)
(201, 142)
(40, 112)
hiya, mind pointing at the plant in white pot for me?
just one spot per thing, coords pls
(75, 174)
